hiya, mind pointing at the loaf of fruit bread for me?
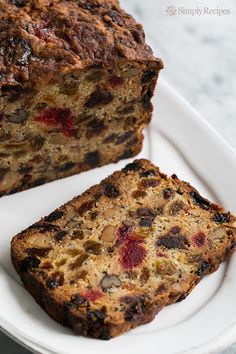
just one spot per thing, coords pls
(112, 258)
(76, 80)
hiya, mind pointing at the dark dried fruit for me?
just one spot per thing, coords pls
(146, 99)
(176, 207)
(92, 158)
(145, 275)
(60, 235)
(148, 173)
(150, 183)
(37, 143)
(79, 261)
(172, 241)
(13, 93)
(134, 166)
(66, 166)
(86, 206)
(23, 170)
(40, 252)
(96, 76)
(221, 218)
(75, 301)
(167, 193)
(110, 138)
(18, 3)
(55, 215)
(136, 309)
(148, 76)
(128, 109)
(38, 182)
(78, 234)
(138, 36)
(19, 116)
(200, 201)
(95, 127)
(108, 281)
(110, 191)
(116, 81)
(29, 263)
(146, 212)
(99, 98)
(44, 227)
(3, 172)
(203, 268)
(199, 239)
(122, 138)
(146, 222)
(93, 247)
(139, 194)
(126, 154)
(56, 280)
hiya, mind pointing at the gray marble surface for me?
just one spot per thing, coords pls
(199, 54)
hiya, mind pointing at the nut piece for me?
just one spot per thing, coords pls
(108, 281)
(108, 233)
(218, 233)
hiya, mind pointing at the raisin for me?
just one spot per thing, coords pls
(40, 252)
(38, 182)
(221, 218)
(146, 99)
(150, 183)
(19, 116)
(37, 143)
(110, 191)
(18, 3)
(145, 275)
(55, 215)
(110, 138)
(60, 235)
(200, 201)
(3, 172)
(128, 109)
(146, 212)
(78, 234)
(199, 239)
(134, 166)
(93, 247)
(92, 158)
(116, 81)
(44, 227)
(24, 170)
(75, 301)
(139, 194)
(123, 233)
(56, 280)
(176, 207)
(13, 92)
(86, 206)
(135, 312)
(167, 193)
(203, 268)
(148, 173)
(99, 98)
(95, 127)
(66, 167)
(148, 76)
(88, 5)
(29, 263)
(146, 222)
(124, 137)
(126, 154)
(173, 241)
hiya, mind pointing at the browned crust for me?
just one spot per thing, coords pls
(44, 37)
(93, 324)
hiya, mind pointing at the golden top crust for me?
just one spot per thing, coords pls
(41, 37)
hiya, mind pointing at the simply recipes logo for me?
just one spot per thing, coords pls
(196, 11)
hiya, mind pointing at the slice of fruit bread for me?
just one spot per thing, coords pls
(112, 258)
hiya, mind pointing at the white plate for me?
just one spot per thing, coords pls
(179, 141)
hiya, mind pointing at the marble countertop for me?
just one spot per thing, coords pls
(199, 50)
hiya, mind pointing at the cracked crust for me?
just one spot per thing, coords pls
(112, 258)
